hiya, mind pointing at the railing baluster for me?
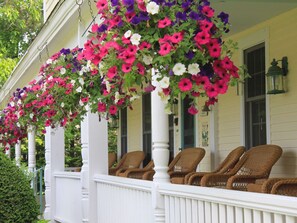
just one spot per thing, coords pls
(247, 215)
(201, 213)
(238, 214)
(222, 213)
(267, 217)
(214, 213)
(230, 214)
(257, 216)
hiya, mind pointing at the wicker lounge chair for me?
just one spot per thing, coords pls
(138, 173)
(255, 164)
(280, 186)
(129, 160)
(185, 162)
(225, 167)
(112, 158)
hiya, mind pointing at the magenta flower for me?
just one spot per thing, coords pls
(176, 37)
(112, 72)
(164, 22)
(202, 38)
(101, 107)
(164, 49)
(126, 68)
(192, 110)
(185, 84)
(113, 109)
(208, 11)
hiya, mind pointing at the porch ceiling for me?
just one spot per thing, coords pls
(247, 13)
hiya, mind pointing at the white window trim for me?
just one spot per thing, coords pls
(260, 36)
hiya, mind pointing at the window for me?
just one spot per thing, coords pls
(124, 145)
(255, 102)
(147, 127)
(188, 123)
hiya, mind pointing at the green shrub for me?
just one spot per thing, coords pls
(17, 201)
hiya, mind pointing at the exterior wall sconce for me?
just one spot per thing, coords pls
(276, 76)
(114, 122)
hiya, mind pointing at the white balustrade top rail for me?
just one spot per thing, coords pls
(187, 204)
(66, 174)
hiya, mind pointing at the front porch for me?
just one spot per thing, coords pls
(94, 196)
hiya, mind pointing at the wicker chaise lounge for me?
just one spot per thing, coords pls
(129, 160)
(185, 162)
(280, 186)
(255, 164)
(225, 167)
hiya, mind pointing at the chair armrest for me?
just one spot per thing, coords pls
(134, 173)
(194, 178)
(178, 174)
(286, 187)
(240, 182)
(149, 175)
(214, 180)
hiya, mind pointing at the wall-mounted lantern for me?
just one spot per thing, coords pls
(276, 76)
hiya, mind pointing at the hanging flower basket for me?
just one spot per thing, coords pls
(181, 40)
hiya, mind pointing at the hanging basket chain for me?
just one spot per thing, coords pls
(79, 3)
(91, 10)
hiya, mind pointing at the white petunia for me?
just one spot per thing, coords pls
(49, 61)
(152, 8)
(31, 115)
(62, 105)
(50, 78)
(135, 39)
(127, 34)
(81, 103)
(62, 70)
(116, 97)
(108, 87)
(134, 97)
(77, 126)
(72, 82)
(193, 68)
(11, 104)
(81, 81)
(164, 83)
(147, 60)
(18, 124)
(79, 89)
(179, 69)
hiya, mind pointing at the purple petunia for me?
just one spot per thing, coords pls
(190, 55)
(128, 2)
(136, 20)
(114, 3)
(224, 17)
(207, 70)
(65, 51)
(143, 16)
(194, 15)
(181, 16)
(102, 28)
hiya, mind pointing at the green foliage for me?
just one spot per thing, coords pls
(20, 22)
(17, 201)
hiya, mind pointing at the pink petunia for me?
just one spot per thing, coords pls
(227, 63)
(165, 48)
(212, 91)
(48, 123)
(185, 84)
(207, 11)
(94, 72)
(141, 69)
(192, 110)
(141, 5)
(221, 86)
(176, 37)
(130, 15)
(214, 48)
(164, 22)
(144, 45)
(113, 109)
(85, 100)
(165, 39)
(205, 25)
(102, 5)
(126, 68)
(234, 72)
(112, 72)
(101, 107)
(202, 38)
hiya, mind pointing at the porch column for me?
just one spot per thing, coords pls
(54, 161)
(160, 139)
(94, 139)
(31, 149)
(18, 154)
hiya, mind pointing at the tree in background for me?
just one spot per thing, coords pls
(20, 22)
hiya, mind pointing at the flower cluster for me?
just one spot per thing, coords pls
(181, 40)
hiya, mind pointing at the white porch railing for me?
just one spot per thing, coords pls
(68, 207)
(189, 204)
(131, 201)
(123, 200)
